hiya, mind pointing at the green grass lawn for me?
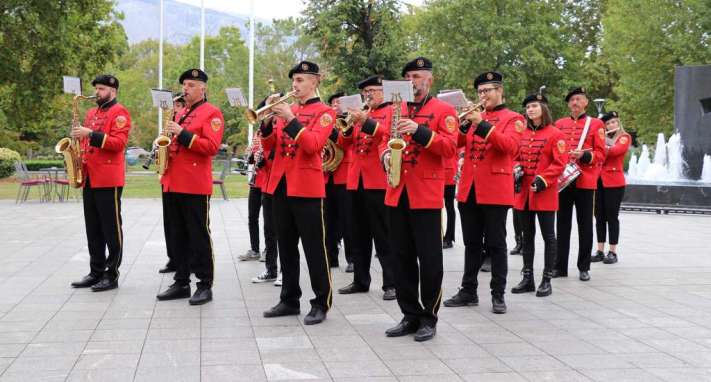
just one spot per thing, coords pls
(140, 186)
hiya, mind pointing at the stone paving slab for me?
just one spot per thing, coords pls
(646, 318)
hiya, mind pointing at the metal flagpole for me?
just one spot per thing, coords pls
(160, 66)
(251, 65)
(202, 34)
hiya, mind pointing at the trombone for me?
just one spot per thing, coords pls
(257, 116)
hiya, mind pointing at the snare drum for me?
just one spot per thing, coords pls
(570, 173)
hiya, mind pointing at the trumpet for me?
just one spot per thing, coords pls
(257, 116)
(346, 123)
(470, 108)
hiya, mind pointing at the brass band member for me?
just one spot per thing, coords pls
(428, 126)
(187, 184)
(366, 184)
(297, 135)
(542, 156)
(103, 138)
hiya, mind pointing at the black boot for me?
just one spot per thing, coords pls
(597, 257)
(611, 258)
(545, 288)
(519, 245)
(527, 283)
(462, 298)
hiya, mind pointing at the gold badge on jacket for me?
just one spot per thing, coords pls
(216, 123)
(601, 133)
(519, 126)
(325, 120)
(561, 146)
(623, 140)
(121, 122)
(450, 122)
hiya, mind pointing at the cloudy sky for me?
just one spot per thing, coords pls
(264, 9)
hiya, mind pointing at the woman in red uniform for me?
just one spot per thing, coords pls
(610, 188)
(542, 154)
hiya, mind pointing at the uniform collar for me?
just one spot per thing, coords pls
(382, 105)
(196, 105)
(107, 105)
(421, 103)
(581, 116)
(498, 107)
(311, 100)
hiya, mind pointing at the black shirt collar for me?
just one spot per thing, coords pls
(421, 103)
(197, 104)
(311, 100)
(107, 105)
(382, 105)
(581, 116)
(499, 107)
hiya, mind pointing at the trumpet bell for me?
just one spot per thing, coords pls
(251, 116)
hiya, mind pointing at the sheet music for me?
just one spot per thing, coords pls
(235, 97)
(72, 85)
(349, 102)
(403, 87)
(455, 98)
(162, 98)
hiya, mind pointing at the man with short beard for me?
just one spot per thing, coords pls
(103, 141)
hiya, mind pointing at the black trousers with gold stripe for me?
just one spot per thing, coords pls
(189, 223)
(416, 237)
(301, 218)
(102, 215)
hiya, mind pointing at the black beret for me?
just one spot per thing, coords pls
(536, 97)
(419, 63)
(106, 79)
(193, 74)
(335, 95)
(488, 78)
(370, 81)
(305, 67)
(574, 91)
(609, 115)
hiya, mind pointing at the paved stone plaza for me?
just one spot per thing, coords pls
(647, 318)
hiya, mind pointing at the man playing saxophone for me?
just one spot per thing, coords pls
(103, 141)
(428, 127)
(187, 184)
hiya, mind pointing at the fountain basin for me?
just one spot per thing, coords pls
(678, 195)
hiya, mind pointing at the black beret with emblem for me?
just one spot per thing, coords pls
(488, 78)
(106, 79)
(536, 97)
(193, 74)
(334, 96)
(370, 81)
(574, 91)
(420, 63)
(305, 67)
(609, 115)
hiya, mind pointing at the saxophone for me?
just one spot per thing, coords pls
(161, 143)
(71, 149)
(395, 145)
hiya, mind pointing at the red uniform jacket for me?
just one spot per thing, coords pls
(262, 176)
(364, 147)
(450, 170)
(543, 154)
(191, 152)
(488, 159)
(613, 169)
(594, 142)
(103, 161)
(340, 175)
(297, 149)
(423, 160)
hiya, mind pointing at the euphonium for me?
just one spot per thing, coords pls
(332, 155)
(396, 144)
(71, 149)
(256, 116)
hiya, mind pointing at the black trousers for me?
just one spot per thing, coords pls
(518, 224)
(369, 222)
(484, 224)
(583, 202)
(254, 203)
(546, 220)
(301, 218)
(168, 234)
(270, 240)
(189, 220)
(102, 217)
(607, 212)
(449, 194)
(338, 210)
(416, 238)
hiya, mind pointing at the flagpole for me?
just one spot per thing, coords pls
(202, 34)
(251, 65)
(160, 65)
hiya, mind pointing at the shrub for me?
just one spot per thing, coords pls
(7, 162)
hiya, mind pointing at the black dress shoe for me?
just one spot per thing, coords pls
(389, 294)
(87, 281)
(105, 284)
(174, 292)
(597, 257)
(352, 288)
(167, 269)
(201, 296)
(402, 329)
(557, 273)
(498, 305)
(349, 268)
(315, 316)
(584, 276)
(425, 332)
(447, 244)
(280, 310)
(611, 258)
(462, 298)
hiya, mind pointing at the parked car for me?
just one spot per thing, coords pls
(135, 154)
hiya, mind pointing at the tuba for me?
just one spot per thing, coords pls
(71, 149)
(332, 155)
(395, 145)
